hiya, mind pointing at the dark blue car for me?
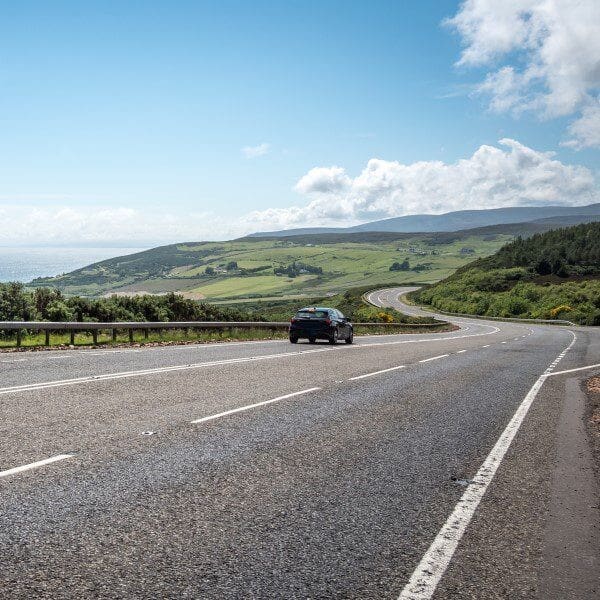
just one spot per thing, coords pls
(321, 323)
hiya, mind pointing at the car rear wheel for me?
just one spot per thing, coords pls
(334, 337)
(350, 338)
(293, 339)
(312, 340)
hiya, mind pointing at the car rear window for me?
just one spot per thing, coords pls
(312, 314)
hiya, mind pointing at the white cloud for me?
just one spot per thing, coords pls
(323, 180)
(492, 177)
(256, 151)
(554, 47)
(585, 131)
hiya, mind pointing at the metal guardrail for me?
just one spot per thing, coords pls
(146, 326)
(505, 319)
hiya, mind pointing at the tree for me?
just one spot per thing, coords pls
(403, 266)
(543, 267)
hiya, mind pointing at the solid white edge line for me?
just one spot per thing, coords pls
(433, 565)
(460, 351)
(433, 358)
(573, 370)
(35, 465)
(255, 405)
(377, 373)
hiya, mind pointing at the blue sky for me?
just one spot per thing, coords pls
(146, 114)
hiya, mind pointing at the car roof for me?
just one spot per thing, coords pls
(314, 308)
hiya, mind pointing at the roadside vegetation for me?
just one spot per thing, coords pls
(46, 304)
(50, 304)
(554, 275)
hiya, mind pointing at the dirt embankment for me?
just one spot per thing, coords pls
(592, 388)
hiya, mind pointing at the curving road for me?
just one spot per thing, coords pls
(265, 470)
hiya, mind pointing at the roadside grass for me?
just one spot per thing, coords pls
(32, 341)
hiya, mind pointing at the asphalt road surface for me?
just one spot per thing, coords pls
(449, 465)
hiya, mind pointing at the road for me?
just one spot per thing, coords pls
(452, 465)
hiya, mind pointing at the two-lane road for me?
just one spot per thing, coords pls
(266, 470)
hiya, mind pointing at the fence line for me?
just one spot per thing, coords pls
(146, 326)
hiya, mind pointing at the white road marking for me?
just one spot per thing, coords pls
(486, 346)
(140, 373)
(434, 563)
(376, 373)
(460, 351)
(596, 366)
(433, 358)
(34, 465)
(250, 406)
(418, 341)
(503, 342)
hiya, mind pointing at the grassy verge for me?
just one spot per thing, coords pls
(172, 336)
(35, 341)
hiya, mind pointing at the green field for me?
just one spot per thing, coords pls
(333, 266)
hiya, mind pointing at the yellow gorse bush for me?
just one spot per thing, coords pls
(385, 317)
(560, 309)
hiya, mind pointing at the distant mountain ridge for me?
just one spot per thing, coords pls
(451, 221)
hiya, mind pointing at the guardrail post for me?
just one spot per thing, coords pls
(47, 340)
(130, 335)
(18, 338)
(114, 334)
(95, 336)
(72, 332)
(146, 331)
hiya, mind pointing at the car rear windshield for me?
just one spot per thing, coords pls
(312, 314)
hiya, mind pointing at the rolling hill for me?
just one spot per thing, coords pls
(293, 266)
(553, 275)
(453, 221)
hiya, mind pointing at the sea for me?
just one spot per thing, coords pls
(24, 264)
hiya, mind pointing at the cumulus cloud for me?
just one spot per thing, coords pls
(323, 180)
(509, 174)
(493, 177)
(256, 151)
(554, 47)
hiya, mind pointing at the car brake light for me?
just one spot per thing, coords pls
(292, 320)
(328, 321)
